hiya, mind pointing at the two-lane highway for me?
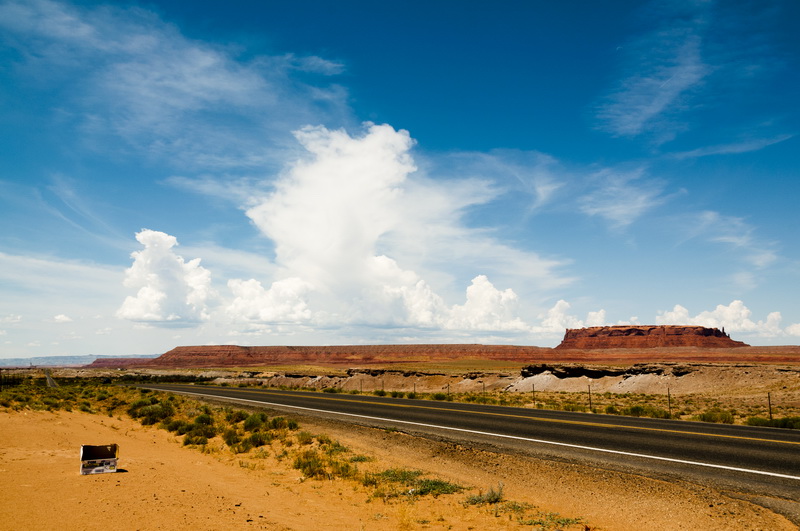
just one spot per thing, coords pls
(750, 459)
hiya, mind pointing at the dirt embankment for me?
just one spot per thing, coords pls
(168, 486)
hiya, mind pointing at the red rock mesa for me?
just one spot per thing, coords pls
(647, 336)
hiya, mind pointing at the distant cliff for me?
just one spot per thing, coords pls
(648, 336)
(239, 356)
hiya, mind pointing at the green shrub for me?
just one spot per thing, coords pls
(176, 425)
(204, 419)
(491, 496)
(203, 430)
(304, 437)
(311, 464)
(343, 469)
(792, 423)
(278, 423)
(379, 392)
(194, 439)
(236, 416)
(439, 396)
(400, 475)
(152, 413)
(231, 437)
(716, 415)
(397, 394)
(254, 421)
(260, 438)
(435, 487)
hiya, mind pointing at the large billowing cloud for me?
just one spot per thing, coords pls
(343, 217)
(168, 289)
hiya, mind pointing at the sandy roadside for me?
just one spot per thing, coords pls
(168, 486)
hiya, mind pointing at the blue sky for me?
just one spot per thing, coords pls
(312, 172)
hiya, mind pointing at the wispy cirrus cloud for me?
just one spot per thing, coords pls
(732, 148)
(753, 254)
(125, 73)
(621, 197)
(660, 69)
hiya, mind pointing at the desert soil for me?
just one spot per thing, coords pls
(168, 486)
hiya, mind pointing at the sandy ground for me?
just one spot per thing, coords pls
(167, 486)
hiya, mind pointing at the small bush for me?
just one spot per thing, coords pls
(343, 469)
(400, 475)
(254, 421)
(311, 464)
(231, 437)
(397, 394)
(439, 396)
(236, 416)
(491, 496)
(280, 423)
(204, 419)
(174, 425)
(194, 439)
(202, 430)
(304, 437)
(412, 395)
(792, 423)
(717, 415)
(435, 487)
(379, 392)
(260, 438)
(153, 413)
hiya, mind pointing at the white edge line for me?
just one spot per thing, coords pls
(516, 437)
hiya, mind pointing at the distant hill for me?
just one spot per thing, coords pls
(59, 361)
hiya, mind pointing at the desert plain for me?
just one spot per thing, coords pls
(166, 484)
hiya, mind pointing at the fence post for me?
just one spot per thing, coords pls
(669, 403)
(590, 398)
(533, 391)
(769, 405)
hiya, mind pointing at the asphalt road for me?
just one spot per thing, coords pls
(750, 460)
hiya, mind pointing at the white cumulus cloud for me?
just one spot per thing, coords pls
(169, 290)
(557, 319)
(284, 301)
(735, 317)
(352, 222)
(487, 308)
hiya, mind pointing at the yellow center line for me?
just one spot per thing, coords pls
(537, 419)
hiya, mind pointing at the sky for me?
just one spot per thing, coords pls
(358, 172)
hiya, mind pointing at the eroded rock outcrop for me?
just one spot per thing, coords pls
(647, 336)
